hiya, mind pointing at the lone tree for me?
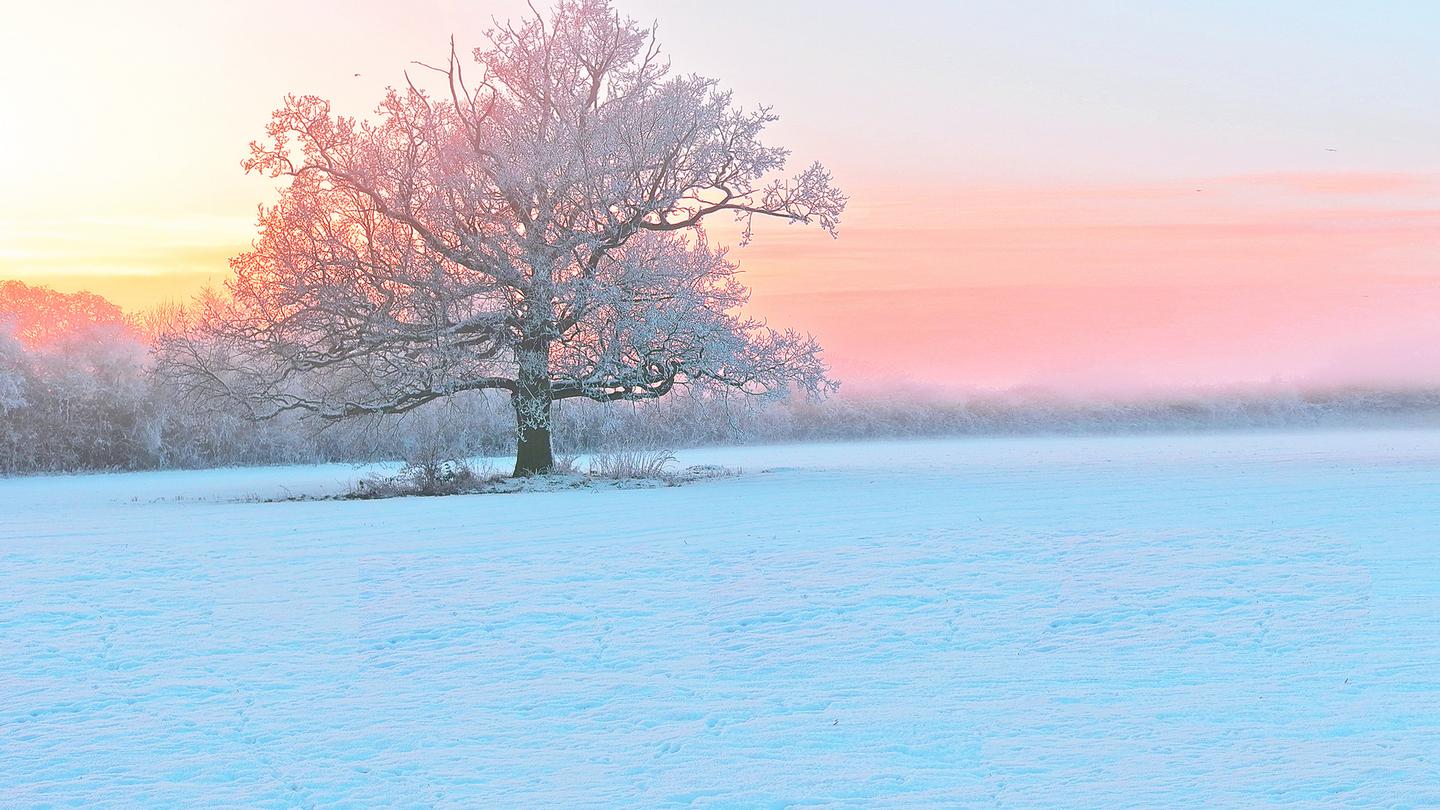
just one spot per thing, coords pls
(535, 226)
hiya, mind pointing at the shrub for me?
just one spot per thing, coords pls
(630, 464)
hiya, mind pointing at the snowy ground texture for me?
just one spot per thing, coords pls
(1213, 621)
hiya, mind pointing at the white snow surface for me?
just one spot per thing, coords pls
(1218, 620)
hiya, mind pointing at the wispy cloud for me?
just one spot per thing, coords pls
(1344, 183)
(127, 245)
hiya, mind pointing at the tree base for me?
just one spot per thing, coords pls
(533, 455)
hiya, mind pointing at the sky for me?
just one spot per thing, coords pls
(1077, 196)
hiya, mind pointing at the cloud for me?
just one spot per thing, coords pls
(135, 245)
(1343, 183)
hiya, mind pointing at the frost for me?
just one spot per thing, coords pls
(534, 226)
(1164, 621)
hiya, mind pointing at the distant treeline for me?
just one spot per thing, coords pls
(79, 391)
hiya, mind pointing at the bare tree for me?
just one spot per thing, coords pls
(534, 227)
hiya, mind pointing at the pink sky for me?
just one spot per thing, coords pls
(1066, 195)
(1303, 279)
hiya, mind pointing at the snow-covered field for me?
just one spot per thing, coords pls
(1209, 621)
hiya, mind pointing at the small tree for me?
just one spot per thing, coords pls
(41, 317)
(534, 228)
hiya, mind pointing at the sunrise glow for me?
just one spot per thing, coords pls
(1031, 237)
(816, 404)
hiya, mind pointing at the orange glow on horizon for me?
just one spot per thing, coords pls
(1245, 280)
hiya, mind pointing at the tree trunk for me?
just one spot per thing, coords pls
(532, 452)
(531, 399)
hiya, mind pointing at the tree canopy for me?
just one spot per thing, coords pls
(535, 225)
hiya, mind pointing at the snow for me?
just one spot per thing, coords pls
(1217, 620)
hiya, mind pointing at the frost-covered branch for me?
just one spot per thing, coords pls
(536, 228)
